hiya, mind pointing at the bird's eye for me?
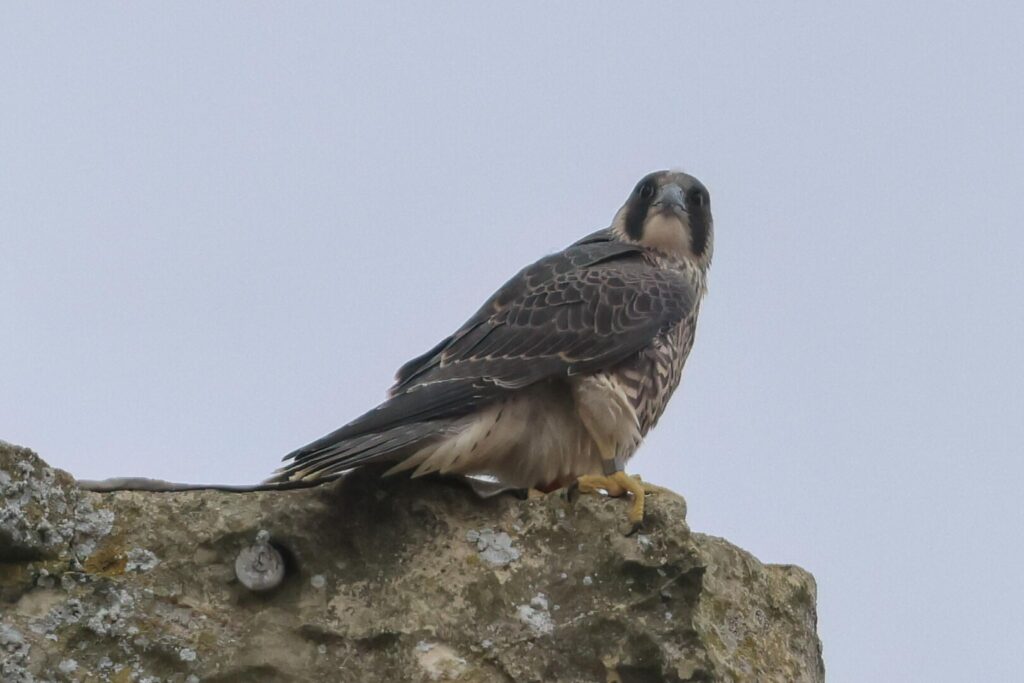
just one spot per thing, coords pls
(646, 190)
(697, 199)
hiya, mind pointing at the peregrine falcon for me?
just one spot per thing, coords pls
(557, 378)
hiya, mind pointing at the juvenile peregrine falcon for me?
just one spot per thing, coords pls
(561, 373)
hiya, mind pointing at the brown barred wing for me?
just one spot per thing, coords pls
(577, 322)
(579, 311)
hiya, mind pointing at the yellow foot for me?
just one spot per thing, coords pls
(616, 485)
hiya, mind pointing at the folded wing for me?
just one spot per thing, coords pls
(581, 310)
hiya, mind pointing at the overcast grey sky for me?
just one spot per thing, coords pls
(224, 225)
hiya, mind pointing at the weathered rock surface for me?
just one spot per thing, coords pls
(384, 581)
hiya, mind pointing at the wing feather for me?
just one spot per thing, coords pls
(568, 313)
(583, 309)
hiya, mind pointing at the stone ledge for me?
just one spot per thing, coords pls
(392, 580)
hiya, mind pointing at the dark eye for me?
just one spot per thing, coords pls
(646, 190)
(697, 199)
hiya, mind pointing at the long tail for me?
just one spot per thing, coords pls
(331, 455)
(161, 486)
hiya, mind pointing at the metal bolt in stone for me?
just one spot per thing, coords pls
(260, 566)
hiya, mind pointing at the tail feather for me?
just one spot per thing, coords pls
(322, 460)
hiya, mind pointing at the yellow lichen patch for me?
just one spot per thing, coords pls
(122, 675)
(109, 560)
(13, 574)
(207, 639)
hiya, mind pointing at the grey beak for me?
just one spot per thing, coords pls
(671, 196)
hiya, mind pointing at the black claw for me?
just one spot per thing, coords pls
(521, 494)
(572, 492)
(637, 526)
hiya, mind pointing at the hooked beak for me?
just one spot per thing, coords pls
(671, 198)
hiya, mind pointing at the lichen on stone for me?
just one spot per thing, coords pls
(141, 560)
(495, 548)
(536, 615)
(424, 581)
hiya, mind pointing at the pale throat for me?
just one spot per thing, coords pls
(667, 233)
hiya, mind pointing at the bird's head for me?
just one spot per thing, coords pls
(670, 212)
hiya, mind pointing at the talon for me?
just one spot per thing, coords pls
(571, 493)
(648, 487)
(616, 485)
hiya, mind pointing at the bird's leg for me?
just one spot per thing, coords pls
(618, 484)
(615, 483)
